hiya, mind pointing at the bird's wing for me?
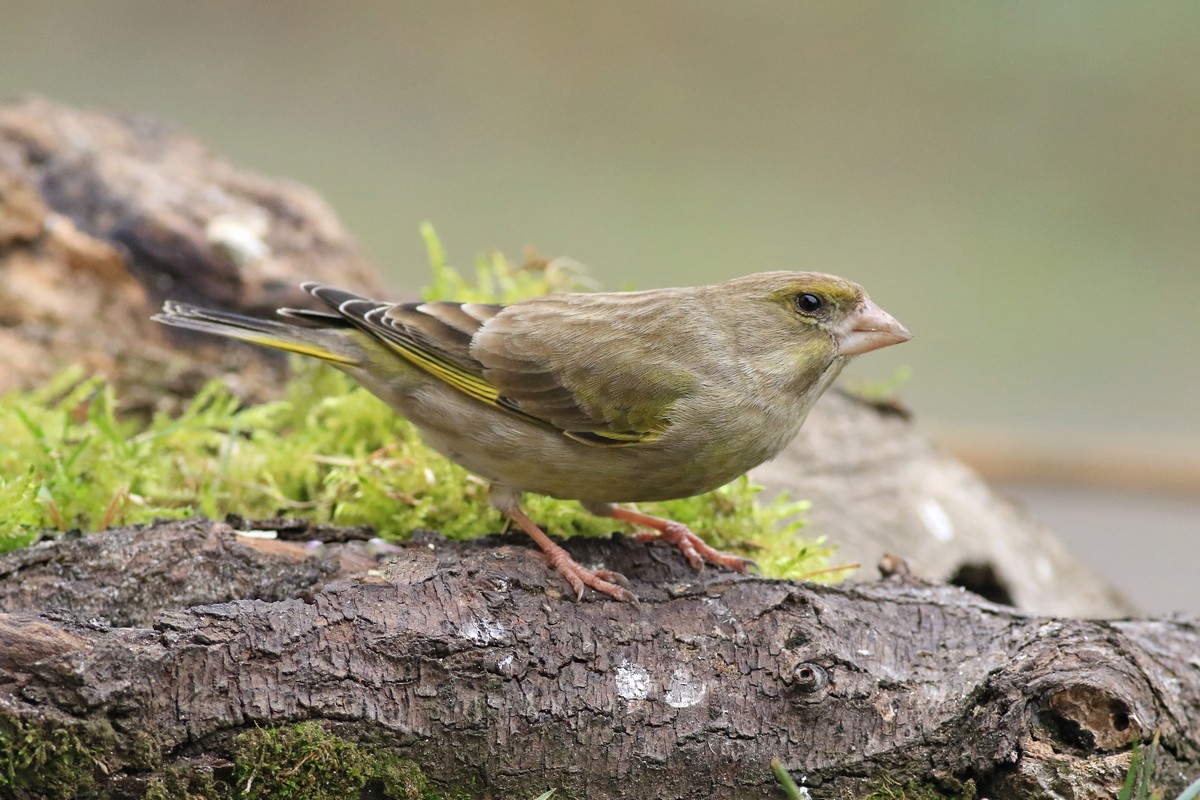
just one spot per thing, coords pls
(436, 337)
(590, 380)
(591, 365)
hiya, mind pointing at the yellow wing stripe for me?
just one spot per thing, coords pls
(613, 438)
(478, 388)
(455, 376)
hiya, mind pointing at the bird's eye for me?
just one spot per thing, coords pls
(809, 303)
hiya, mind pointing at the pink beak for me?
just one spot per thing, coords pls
(869, 328)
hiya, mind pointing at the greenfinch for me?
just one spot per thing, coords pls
(602, 398)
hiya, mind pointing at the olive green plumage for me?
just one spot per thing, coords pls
(602, 398)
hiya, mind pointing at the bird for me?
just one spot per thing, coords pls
(608, 399)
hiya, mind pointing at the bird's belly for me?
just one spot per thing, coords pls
(529, 458)
(570, 470)
(526, 457)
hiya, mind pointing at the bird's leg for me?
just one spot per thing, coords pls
(602, 580)
(694, 549)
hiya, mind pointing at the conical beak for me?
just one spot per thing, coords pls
(869, 328)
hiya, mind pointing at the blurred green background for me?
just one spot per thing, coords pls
(1018, 182)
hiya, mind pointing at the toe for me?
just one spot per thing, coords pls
(609, 587)
(612, 577)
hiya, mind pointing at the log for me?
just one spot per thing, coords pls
(468, 659)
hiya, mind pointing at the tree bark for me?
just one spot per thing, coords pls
(472, 660)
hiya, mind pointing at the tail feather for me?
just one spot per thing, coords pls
(306, 340)
(326, 319)
(332, 296)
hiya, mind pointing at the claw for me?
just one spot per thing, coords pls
(613, 577)
(694, 549)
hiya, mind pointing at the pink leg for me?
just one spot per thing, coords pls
(695, 549)
(602, 580)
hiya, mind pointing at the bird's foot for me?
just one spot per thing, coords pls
(694, 549)
(613, 584)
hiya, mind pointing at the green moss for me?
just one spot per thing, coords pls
(306, 761)
(53, 760)
(63, 762)
(884, 390)
(187, 782)
(329, 451)
(888, 788)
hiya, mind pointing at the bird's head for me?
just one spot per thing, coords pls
(810, 317)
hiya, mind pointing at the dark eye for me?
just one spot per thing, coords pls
(809, 303)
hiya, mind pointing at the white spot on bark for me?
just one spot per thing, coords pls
(633, 682)
(239, 237)
(483, 631)
(684, 690)
(936, 520)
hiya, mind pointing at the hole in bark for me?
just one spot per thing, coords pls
(1120, 717)
(809, 678)
(1067, 732)
(982, 579)
(1090, 716)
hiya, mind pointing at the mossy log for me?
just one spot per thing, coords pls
(467, 659)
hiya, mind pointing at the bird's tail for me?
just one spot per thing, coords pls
(330, 343)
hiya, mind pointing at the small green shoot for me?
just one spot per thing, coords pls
(1191, 792)
(1137, 784)
(885, 389)
(1141, 768)
(790, 788)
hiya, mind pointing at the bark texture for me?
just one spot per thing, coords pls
(468, 659)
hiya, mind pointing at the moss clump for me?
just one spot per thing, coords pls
(187, 782)
(888, 788)
(329, 451)
(306, 761)
(53, 760)
(65, 762)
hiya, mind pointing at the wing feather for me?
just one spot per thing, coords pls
(591, 376)
(591, 365)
